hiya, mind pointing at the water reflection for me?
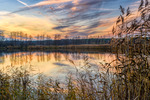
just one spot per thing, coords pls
(54, 64)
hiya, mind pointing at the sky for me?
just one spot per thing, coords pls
(64, 17)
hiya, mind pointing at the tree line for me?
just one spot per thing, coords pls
(20, 39)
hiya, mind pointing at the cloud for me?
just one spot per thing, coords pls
(49, 2)
(73, 17)
(60, 27)
(31, 25)
(135, 5)
(40, 4)
(95, 25)
(81, 11)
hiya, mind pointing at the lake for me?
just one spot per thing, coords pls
(55, 64)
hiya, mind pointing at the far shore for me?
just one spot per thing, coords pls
(84, 47)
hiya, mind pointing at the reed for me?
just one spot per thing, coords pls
(129, 79)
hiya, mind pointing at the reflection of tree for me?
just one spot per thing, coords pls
(20, 58)
(43, 57)
(40, 57)
(76, 56)
(48, 56)
(30, 56)
(23, 58)
(57, 56)
(2, 59)
(66, 55)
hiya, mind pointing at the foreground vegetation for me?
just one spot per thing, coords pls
(129, 79)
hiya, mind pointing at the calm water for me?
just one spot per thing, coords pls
(54, 64)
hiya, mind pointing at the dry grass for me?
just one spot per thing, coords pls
(131, 81)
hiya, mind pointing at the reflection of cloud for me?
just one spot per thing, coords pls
(60, 64)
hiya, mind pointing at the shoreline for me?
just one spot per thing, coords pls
(101, 47)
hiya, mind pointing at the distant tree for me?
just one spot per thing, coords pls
(56, 38)
(30, 40)
(1, 39)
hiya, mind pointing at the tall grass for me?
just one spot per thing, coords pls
(129, 79)
(19, 85)
(133, 79)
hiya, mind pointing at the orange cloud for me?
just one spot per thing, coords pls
(28, 24)
(77, 22)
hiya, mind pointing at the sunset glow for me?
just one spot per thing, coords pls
(64, 17)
